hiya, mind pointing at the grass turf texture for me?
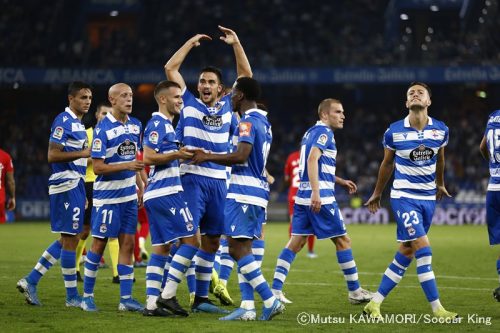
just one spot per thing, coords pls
(463, 262)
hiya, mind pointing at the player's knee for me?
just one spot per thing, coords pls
(342, 242)
(296, 243)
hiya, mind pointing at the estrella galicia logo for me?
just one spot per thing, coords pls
(421, 154)
(126, 149)
(212, 122)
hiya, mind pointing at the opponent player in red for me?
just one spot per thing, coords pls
(6, 181)
(292, 180)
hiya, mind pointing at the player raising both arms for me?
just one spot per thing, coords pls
(206, 123)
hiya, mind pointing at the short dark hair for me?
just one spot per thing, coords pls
(325, 104)
(249, 87)
(75, 86)
(213, 69)
(418, 83)
(262, 107)
(165, 85)
(105, 104)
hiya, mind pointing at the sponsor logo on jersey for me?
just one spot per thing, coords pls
(421, 154)
(212, 122)
(153, 137)
(156, 122)
(126, 149)
(66, 205)
(58, 133)
(97, 130)
(65, 118)
(172, 210)
(244, 207)
(322, 139)
(96, 145)
(245, 128)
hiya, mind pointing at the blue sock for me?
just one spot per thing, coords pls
(68, 268)
(126, 273)
(178, 267)
(252, 273)
(392, 275)
(285, 259)
(226, 262)
(91, 265)
(425, 274)
(258, 250)
(154, 275)
(245, 288)
(173, 249)
(203, 269)
(191, 278)
(49, 257)
(348, 266)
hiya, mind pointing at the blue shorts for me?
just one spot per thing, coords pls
(67, 209)
(327, 223)
(206, 198)
(111, 220)
(414, 217)
(169, 219)
(493, 216)
(243, 220)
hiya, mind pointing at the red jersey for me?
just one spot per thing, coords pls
(5, 166)
(292, 172)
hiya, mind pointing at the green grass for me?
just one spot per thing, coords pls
(463, 262)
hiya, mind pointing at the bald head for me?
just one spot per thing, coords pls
(120, 96)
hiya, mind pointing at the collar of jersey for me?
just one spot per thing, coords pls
(320, 123)
(261, 112)
(68, 110)
(113, 119)
(158, 113)
(221, 103)
(407, 121)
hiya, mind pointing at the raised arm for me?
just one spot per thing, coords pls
(56, 154)
(243, 68)
(384, 173)
(174, 63)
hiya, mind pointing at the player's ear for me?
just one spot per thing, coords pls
(219, 89)
(429, 102)
(406, 103)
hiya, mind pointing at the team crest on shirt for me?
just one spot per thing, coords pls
(189, 226)
(411, 231)
(103, 228)
(212, 122)
(126, 149)
(323, 138)
(75, 225)
(421, 154)
(96, 145)
(153, 137)
(245, 128)
(58, 133)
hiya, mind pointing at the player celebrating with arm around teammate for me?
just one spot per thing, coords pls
(415, 146)
(206, 123)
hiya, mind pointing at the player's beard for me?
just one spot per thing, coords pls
(417, 107)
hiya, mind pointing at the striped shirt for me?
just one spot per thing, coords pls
(248, 182)
(492, 135)
(67, 130)
(416, 155)
(319, 136)
(115, 143)
(208, 128)
(164, 179)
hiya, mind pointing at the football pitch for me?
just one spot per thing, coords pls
(463, 262)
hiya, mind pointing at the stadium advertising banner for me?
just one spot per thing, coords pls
(338, 75)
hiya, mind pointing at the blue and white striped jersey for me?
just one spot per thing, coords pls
(164, 179)
(319, 136)
(492, 135)
(68, 131)
(416, 156)
(115, 143)
(206, 128)
(248, 182)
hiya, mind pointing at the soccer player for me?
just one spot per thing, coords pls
(316, 212)
(101, 111)
(247, 197)
(490, 149)
(114, 214)
(415, 147)
(168, 213)
(6, 181)
(68, 152)
(292, 179)
(206, 123)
